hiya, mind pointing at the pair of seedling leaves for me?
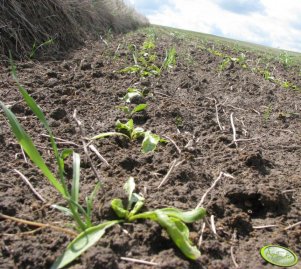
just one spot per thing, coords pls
(131, 94)
(150, 140)
(172, 220)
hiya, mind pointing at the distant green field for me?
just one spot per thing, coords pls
(267, 52)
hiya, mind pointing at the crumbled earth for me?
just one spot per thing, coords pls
(192, 104)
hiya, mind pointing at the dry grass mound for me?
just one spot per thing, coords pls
(50, 27)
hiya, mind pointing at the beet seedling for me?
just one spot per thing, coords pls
(131, 94)
(172, 220)
(128, 130)
(129, 112)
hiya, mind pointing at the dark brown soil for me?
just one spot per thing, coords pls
(266, 166)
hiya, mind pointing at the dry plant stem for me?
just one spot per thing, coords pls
(173, 164)
(217, 117)
(212, 187)
(24, 156)
(216, 113)
(26, 233)
(212, 222)
(257, 112)
(38, 224)
(233, 129)
(238, 108)
(201, 236)
(94, 149)
(85, 145)
(233, 257)
(6, 185)
(265, 226)
(174, 143)
(232, 251)
(62, 140)
(235, 140)
(292, 226)
(139, 261)
(30, 186)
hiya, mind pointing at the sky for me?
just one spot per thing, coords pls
(268, 22)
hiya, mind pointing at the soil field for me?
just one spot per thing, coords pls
(222, 122)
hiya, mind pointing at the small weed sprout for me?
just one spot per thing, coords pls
(35, 47)
(170, 59)
(285, 59)
(267, 113)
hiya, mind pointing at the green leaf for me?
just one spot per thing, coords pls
(63, 209)
(125, 109)
(149, 142)
(129, 188)
(125, 128)
(138, 200)
(107, 134)
(137, 132)
(30, 149)
(81, 243)
(139, 108)
(131, 94)
(130, 69)
(39, 113)
(90, 199)
(66, 153)
(179, 233)
(185, 216)
(118, 208)
(75, 178)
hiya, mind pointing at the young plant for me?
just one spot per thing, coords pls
(285, 59)
(131, 94)
(225, 64)
(35, 47)
(267, 113)
(170, 59)
(172, 220)
(150, 140)
(129, 112)
(81, 216)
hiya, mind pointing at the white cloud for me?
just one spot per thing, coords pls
(269, 22)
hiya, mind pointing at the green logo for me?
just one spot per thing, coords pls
(279, 256)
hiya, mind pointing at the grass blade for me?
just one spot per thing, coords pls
(29, 147)
(90, 199)
(63, 209)
(39, 113)
(81, 243)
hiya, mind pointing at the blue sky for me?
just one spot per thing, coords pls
(267, 22)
